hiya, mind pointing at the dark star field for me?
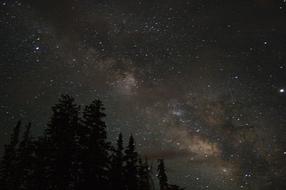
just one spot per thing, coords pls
(199, 83)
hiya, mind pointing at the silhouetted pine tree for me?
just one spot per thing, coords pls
(94, 147)
(131, 158)
(24, 166)
(59, 144)
(144, 177)
(73, 154)
(162, 176)
(8, 165)
(41, 178)
(117, 172)
(163, 179)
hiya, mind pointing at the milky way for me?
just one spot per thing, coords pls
(199, 83)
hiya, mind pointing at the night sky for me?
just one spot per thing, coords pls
(199, 83)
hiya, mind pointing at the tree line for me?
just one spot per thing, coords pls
(73, 153)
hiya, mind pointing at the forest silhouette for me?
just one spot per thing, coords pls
(73, 153)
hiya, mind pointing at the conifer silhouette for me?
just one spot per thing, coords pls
(117, 172)
(131, 158)
(24, 165)
(162, 176)
(95, 147)
(60, 138)
(74, 154)
(9, 161)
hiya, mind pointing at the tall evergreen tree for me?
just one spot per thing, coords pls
(59, 139)
(162, 176)
(26, 137)
(25, 159)
(116, 172)
(41, 178)
(9, 161)
(131, 158)
(73, 154)
(94, 147)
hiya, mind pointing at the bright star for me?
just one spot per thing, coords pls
(282, 90)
